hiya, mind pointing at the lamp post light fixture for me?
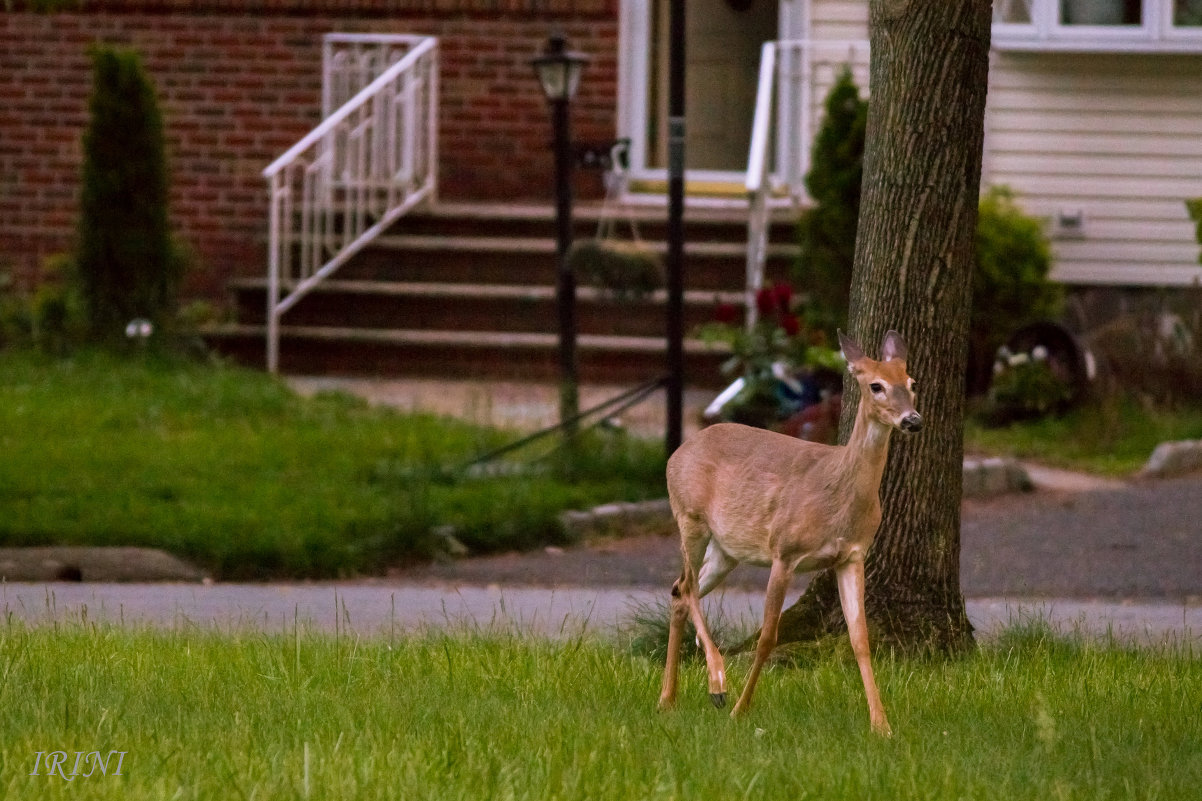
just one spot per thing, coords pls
(558, 72)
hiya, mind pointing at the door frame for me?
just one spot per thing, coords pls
(634, 69)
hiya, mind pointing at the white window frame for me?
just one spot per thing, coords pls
(1156, 32)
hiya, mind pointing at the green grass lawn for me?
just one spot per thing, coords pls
(202, 715)
(1113, 436)
(231, 469)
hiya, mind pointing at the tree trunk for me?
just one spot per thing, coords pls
(913, 272)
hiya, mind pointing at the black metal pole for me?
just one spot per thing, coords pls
(675, 233)
(565, 292)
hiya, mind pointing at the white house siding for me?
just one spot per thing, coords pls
(838, 22)
(838, 19)
(837, 32)
(1114, 136)
(1117, 137)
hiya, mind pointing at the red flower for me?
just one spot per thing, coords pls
(765, 301)
(726, 313)
(784, 296)
(791, 324)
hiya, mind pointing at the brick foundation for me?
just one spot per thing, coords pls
(239, 81)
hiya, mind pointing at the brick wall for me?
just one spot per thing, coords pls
(237, 89)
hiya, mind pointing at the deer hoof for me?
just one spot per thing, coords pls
(719, 699)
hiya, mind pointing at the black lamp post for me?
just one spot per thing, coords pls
(558, 73)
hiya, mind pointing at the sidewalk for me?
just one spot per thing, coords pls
(383, 609)
(521, 406)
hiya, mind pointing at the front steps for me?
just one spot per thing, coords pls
(467, 290)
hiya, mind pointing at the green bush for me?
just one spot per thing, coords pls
(1194, 208)
(827, 231)
(1010, 286)
(1024, 388)
(57, 322)
(127, 266)
(16, 327)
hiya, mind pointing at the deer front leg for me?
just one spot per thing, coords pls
(851, 596)
(778, 585)
(714, 664)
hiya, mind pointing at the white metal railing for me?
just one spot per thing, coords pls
(792, 75)
(372, 159)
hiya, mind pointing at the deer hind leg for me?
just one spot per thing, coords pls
(715, 566)
(686, 603)
(679, 611)
(778, 585)
(851, 596)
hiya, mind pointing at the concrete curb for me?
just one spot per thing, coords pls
(1173, 459)
(613, 519)
(984, 478)
(94, 564)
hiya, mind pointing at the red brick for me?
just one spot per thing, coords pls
(238, 88)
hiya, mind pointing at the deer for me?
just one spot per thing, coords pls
(742, 494)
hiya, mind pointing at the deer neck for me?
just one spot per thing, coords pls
(862, 461)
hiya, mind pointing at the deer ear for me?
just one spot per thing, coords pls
(894, 347)
(851, 351)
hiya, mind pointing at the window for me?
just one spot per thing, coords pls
(1101, 12)
(1099, 25)
(1187, 13)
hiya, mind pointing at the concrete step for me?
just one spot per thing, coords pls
(714, 266)
(475, 307)
(702, 224)
(331, 350)
(469, 289)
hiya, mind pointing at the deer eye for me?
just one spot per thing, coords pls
(913, 386)
(876, 386)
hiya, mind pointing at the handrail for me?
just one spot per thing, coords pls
(348, 108)
(757, 181)
(349, 179)
(786, 87)
(350, 61)
(761, 127)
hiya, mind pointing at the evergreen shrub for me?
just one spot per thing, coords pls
(827, 230)
(127, 267)
(1010, 286)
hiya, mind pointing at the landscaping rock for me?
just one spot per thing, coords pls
(615, 519)
(94, 564)
(985, 478)
(448, 543)
(1173, 459)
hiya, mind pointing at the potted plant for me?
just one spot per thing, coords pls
(771, 362)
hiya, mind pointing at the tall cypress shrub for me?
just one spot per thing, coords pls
(827, 230)
(126, 265)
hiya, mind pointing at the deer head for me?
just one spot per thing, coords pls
(886, 390)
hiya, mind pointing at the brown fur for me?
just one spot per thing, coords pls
(743, 494)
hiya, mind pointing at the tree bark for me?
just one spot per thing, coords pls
(913, 272)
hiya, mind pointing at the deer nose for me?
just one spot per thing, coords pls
(912, 423)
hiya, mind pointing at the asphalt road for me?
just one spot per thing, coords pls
(1140, 540)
